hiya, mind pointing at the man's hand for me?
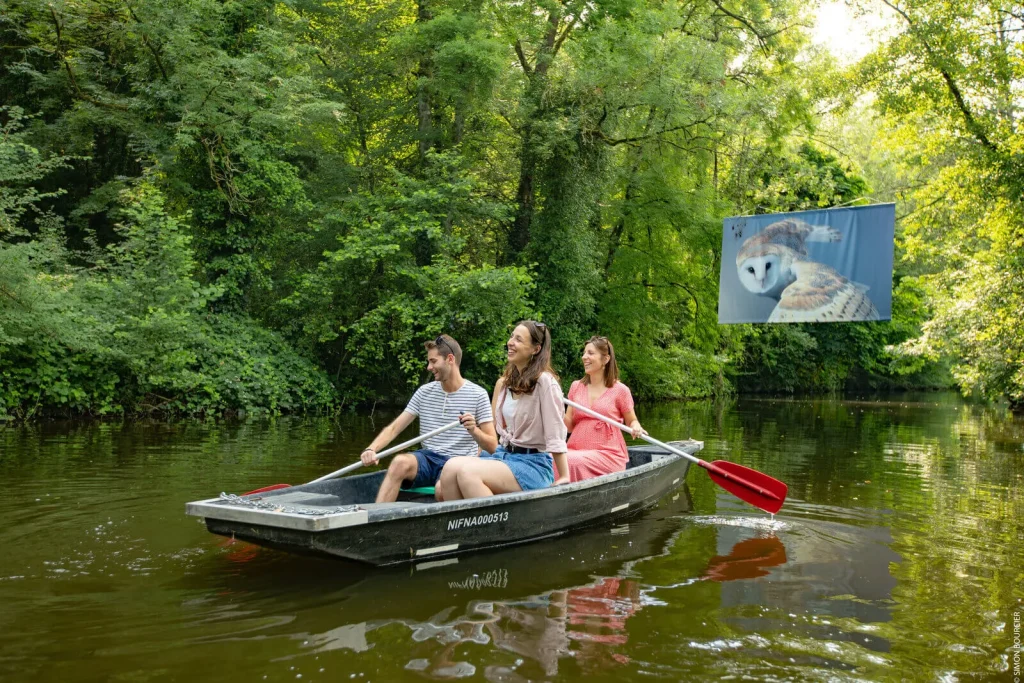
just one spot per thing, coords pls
(369, 457)
(468, 421)
(561, 480)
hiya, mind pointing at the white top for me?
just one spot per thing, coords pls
(508, 406)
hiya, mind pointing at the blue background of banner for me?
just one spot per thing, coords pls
(864, 255)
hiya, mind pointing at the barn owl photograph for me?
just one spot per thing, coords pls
(798, 270)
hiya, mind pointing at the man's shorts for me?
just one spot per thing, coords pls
(428, 469)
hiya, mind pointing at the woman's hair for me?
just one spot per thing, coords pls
(524, 382)
(611, 370)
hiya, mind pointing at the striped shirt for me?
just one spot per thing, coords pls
(436, 407)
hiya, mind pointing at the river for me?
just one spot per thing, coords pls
(899, 555)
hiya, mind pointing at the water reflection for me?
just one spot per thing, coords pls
(747, 560)
(583, 625)
(899, 550)
(586, 623)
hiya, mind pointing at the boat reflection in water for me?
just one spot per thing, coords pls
(585, 622)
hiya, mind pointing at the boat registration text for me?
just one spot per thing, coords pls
(464, 522)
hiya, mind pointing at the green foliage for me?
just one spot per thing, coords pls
(564, 251)
(370, 303)
(803, 180)
(948, 87)
(978, 296)
(342, 181)
(132, 334)
(473, 306)
(21, 165)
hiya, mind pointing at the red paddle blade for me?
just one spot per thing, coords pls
(748, 485)
(268, 488)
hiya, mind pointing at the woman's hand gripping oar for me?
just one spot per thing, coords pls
(749, 485)
(357, 465)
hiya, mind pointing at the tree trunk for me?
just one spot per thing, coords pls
(424, 248)
(460, 123)
(519, 235)
(620, 226)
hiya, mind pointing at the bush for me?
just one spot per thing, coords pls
(133, 335)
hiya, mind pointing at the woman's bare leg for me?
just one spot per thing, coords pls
(448, 486)
(485, 478)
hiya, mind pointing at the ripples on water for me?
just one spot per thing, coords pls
(899, 554)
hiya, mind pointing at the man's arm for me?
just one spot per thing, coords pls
(484, 435)
(480, 425)
(386, 436)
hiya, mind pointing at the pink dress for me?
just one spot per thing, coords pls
(595, 447)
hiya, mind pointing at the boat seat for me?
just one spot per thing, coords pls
(638, 458)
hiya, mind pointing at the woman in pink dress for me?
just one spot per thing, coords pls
(595, 447)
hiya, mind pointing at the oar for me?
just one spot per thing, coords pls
(357, 465)
(748, 485)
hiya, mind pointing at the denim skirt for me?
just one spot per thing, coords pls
(531, 470)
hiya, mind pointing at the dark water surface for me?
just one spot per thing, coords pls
(899, 555)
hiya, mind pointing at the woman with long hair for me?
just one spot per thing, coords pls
(595, 447)
(529, 417)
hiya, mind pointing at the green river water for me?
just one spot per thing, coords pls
(899, 555)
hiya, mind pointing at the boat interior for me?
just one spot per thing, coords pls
(362, 489)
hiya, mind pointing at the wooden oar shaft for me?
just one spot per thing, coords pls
(649, 439)
(390, 451)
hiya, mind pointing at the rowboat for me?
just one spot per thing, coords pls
(348, 606)
(338, 517)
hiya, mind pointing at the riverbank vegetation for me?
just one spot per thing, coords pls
(210, 206)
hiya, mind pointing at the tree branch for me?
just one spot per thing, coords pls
(648, 136)
(565, 34)
(145, 40)
(522, 58)
(71, 74)
(760, 39)
(10, 295)
(546, 54)
(972, 124)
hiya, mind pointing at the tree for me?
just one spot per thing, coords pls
(949, 79)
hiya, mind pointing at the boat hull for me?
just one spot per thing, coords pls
(430, 532)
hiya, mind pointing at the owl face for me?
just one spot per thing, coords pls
(760, 274)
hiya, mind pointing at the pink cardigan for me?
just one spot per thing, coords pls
(539, 420)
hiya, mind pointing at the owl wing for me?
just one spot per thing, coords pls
(793, 233)
(820, 294)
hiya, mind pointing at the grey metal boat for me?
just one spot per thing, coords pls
(338, 517)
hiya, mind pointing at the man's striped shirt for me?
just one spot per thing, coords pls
(435, 407)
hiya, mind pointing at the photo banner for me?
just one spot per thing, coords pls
(833, 265)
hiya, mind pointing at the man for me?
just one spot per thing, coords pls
(448, 398)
